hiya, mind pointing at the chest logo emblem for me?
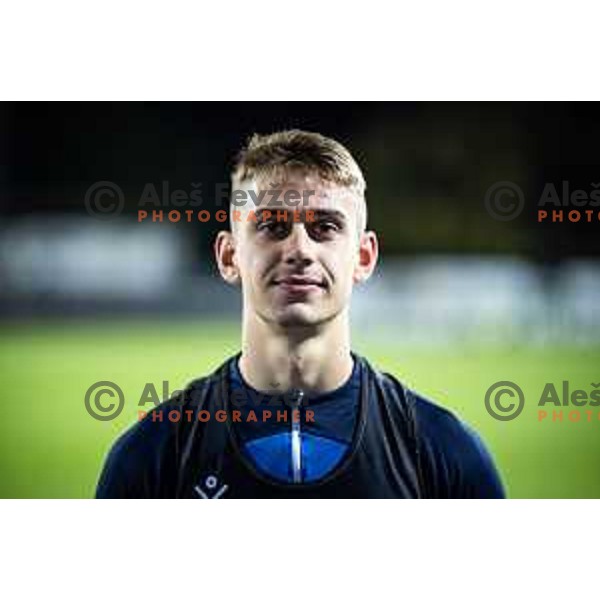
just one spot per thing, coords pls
(207, 490)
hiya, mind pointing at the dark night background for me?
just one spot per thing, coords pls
(427, 165)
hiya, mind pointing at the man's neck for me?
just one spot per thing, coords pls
(316, 360)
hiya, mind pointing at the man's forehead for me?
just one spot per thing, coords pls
(305, 191)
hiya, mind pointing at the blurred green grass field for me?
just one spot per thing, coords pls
(52, 448)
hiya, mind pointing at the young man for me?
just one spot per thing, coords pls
(297, 413)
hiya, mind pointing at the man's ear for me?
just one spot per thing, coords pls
(225, 254)
(368, 252)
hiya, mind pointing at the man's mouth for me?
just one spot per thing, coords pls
(299, 283)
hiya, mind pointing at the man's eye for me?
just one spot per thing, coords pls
(275, 227)
(326, 226)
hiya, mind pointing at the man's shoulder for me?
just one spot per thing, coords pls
(142, 461)
(160, 423)
(395, 387)
(454, 457)
(431, 417)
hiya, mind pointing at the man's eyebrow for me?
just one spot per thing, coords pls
(329, 212)
(318, 212)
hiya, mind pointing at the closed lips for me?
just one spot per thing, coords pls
(299, 281)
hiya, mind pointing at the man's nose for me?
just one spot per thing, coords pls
(299, 245)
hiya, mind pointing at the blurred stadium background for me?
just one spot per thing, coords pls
(460, 301)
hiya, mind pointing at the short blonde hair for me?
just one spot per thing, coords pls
(272, 156)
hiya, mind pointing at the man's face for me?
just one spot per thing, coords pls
(297, 274)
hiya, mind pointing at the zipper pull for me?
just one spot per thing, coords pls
(296, 439)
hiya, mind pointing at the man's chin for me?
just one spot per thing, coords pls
(297, 316)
